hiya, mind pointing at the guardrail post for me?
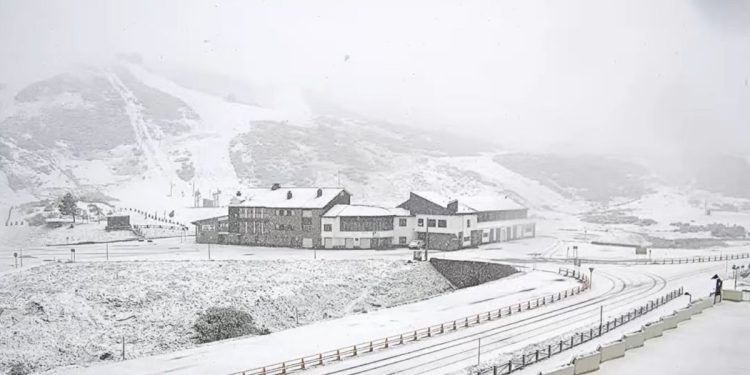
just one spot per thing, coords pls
(442, 328)
(320, 359)
(549, 351)
(537, 355)
(354, 350)
(489, 316)
(371, 347)
(302, 363)
(477, 318)
(510, 366)
(494, 370)
(466, 322)
(523, 360)
(561, 346)
(386, 343)
(528, 305)
(429, 331)
(519, 307)
(338, 354)
(263, 371)
(454, 325)
(283, 367)
(566, 293)
(416, 338)
(401, 338)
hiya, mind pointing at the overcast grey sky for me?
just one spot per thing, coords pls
(632, 75)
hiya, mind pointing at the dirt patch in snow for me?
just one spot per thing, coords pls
(72, 313)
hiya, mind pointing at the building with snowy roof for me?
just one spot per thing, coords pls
(282, 216)
(453, 223)
(347, 226)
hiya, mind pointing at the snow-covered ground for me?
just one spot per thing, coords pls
(63, 313)
(236, 355)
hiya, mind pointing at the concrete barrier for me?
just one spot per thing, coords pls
(731, 295)
(587, 363)
(564, 370)
(613, 350)
(684, 314)
(652, 330)
(634, 339)
(669, 321)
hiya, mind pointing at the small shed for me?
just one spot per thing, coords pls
(118, 222)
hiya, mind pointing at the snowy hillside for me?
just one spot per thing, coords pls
(154, 136)
(141, 139)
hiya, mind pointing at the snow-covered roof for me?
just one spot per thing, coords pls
(280, 198)
(488, 203)
(472, 204)
(350, 210)
(219, 218)
(397, 211)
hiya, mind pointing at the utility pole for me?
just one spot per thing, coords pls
(479, 350)
(427, 240)
(601, 317)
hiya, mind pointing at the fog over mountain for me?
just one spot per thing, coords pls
(662, 87)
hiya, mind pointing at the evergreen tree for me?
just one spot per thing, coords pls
(68, 206)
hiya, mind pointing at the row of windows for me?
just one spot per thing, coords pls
(370, 224)
(431, 223)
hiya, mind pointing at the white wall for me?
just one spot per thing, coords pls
(339, 237)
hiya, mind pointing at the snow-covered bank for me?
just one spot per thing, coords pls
(65, 313)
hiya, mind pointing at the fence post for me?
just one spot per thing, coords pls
(415, 336)
(466, 322)
(429, 331)
(338, 354)
(320, 359)
(401, 338)
(302, 363)
(494, 370)
(537, 355)
(370, 346)
(549, 351)
(283, 367)
(354, 349)
(454, 325)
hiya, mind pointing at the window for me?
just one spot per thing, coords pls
(306, 227)
(402, 240)
(485, 235)
(307, 213)
(442, 224)
(467, 239)
(468, 223)
(420, 222)
(207, 227)
(431, 223)
(306, 220)
(327, 227)
(402, 222)
(289, 212)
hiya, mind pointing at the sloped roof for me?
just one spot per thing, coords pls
(219, 218)
(489, 203)
(301, 197)
(349, 210)
(442, 200)
(472, 204)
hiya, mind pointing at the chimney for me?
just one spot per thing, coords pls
(453, 206)
(275, 186)
(320, 193)
(289, 194)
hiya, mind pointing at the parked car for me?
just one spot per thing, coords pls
(416, 244)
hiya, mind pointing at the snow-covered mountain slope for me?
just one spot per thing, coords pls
(135, 135)
(132, 134)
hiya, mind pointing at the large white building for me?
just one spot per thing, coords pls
(443, 223)
(450, 224)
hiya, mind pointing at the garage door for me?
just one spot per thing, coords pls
(307, 243)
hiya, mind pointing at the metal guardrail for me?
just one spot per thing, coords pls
(699, 259)
(423, 333)
(525, 359)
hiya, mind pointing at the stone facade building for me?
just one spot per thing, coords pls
(279, 216)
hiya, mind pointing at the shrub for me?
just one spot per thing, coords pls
(220, 323)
